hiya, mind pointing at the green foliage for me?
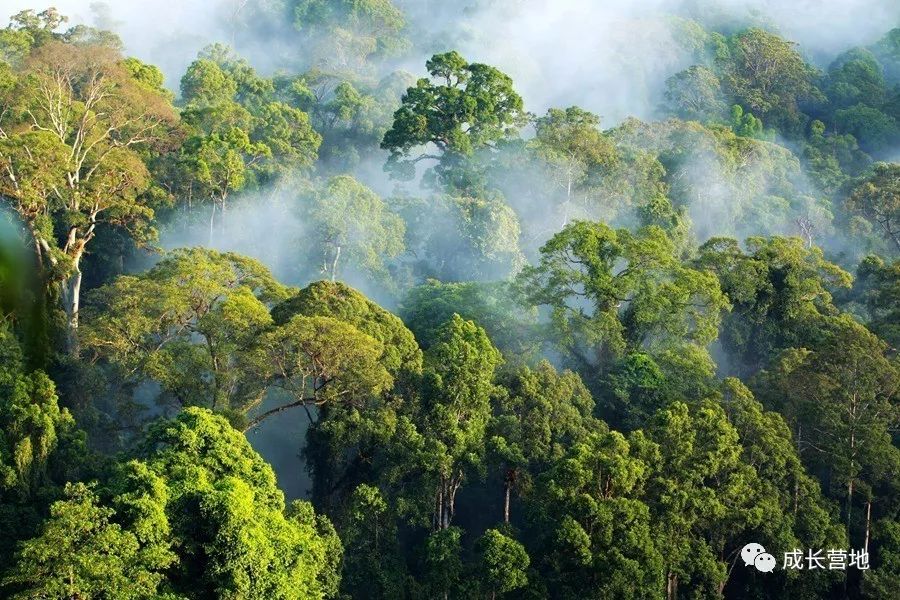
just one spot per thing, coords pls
(232, 533)
(81, 552)
(352, 221)
(347, 34)
(875, 130)
(191, 323)
(40, 446)
(876, 197)
(460, 238)
(372, 568)
(877, 289)
(854, 77)
(450, 455)
(767, 75)
(780, 290)
(491, 305)
(695, 94)
(462, 108)
(840, 398)
(504, 562)
(401, 355)
(442, 445)
(634, 293)
(598, 536)
(745, 124)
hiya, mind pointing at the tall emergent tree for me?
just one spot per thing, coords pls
(462, 108)
(74, 133)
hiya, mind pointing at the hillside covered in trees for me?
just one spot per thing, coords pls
(364, 301)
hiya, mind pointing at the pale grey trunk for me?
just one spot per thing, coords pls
(71, 297)
(212, 222)
(337, 255)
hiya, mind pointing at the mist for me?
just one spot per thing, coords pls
(610, 58)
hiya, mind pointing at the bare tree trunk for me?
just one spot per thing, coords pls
(852, 477)
(71, 297)
(212, 221)
(506, 503)
(508, 482)
(671, 585)
(445, 499)
(337, 255)
(849, 505)
(868, 523)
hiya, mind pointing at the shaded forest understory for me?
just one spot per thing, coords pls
(506, 354)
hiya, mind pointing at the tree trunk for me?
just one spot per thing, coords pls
(506, 493)
(508, 482)
(568, 200)
(852, 472)
(868, 523)
(337, 255)
(671, 585)
(445, 500)
(212, 222)
(71, 297)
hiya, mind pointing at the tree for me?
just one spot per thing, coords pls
(877, 198)
(492, 305)
(350, 34)
(191, 323)
(372, 564)
(840, 397)
(571, 142)
(796, 513)
(462, 108)
(83, 553)
(401, 355)
(745, 124)
(460, 238)
(205, 83)
(321, 361)
(855, 76)
(71, 157)
(503, 563)
(381, 362)
(780, 290)
(220, 164)
(444, 575)
(537, 415)
(634, 293)
(232, 532)
(699, 493)
(350, 218)
(695, 94)
(877, 288)
(459, 372)
(40, 446)
(595, 535)
(241, 134)
(441, 444)
(875, 130)
(767, 75)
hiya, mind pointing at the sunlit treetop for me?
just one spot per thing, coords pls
(462, 107)
(340, 301)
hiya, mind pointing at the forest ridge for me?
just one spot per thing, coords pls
(529, 354)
